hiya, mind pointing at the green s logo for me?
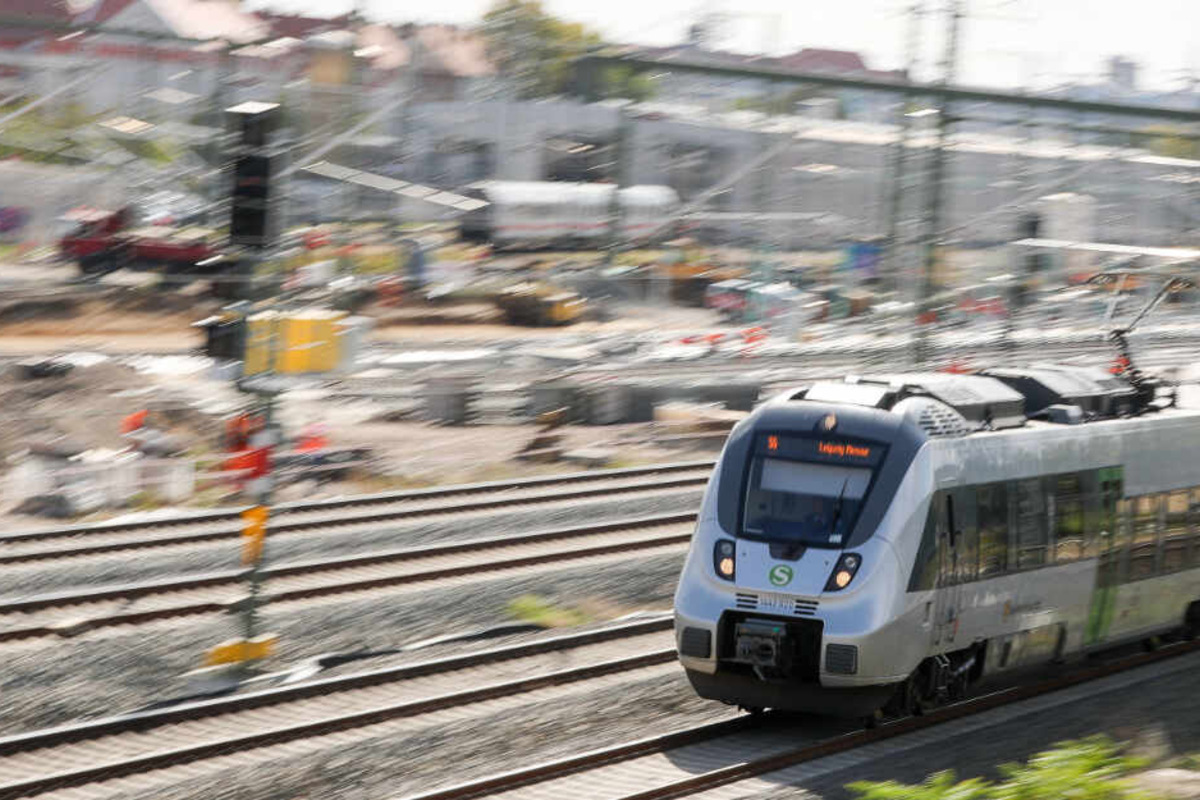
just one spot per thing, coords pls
(780, 575)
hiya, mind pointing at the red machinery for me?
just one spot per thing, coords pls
(102, 241)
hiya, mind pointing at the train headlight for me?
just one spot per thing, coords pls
(844, 572)
(723, 559)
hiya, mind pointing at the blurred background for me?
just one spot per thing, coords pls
(452, 305)
(592, 233)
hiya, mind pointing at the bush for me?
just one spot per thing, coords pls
(1087, 769)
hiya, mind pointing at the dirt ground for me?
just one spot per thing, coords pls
(103, 328)
(417, 454)
(134, 322)
(87, 405)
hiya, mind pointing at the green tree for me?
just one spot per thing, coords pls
(626, 82)
(534, 50)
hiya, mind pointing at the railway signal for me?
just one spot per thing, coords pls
(254, 534)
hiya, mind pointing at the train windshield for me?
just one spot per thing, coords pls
(808, 501)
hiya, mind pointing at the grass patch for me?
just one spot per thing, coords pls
(540, 611)
(1190, 761)
(392, 483)
(1088, 769)
(144, 500)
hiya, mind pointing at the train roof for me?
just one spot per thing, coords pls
(950, 404)
(557, 191)
(650, 194)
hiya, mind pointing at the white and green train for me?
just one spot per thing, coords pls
(887, 542)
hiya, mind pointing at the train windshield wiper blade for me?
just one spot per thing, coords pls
(837, 507)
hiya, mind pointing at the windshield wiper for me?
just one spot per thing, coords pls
(837, 507)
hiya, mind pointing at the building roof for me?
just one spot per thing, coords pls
(842, 62)
(444, 49)
(208, 19)
(192, 19)
(49, 10)
(298, 26)
(54, 12)
(452, 50)
(817, 59)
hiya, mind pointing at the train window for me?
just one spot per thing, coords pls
(992, 514)
(1194, 528)
(1097, 517)
(967, 535)
(1120, 550)
(1176, 536)
(1030, 523)
(1067, 496)
(925, 568)
(1143, 548)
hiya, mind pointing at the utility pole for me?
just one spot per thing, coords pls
(621, 149)
(933, 208)
(767, 202)
(217, 102)
(900, 154)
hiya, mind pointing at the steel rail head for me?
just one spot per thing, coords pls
(145, 720)
(80, 776)
(232, 514)
(233, 577)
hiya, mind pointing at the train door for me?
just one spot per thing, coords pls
(949, 592)
(1107, 530)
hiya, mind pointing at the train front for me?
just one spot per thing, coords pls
(793, 595)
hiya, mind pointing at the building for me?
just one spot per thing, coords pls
(168, 59)
(1122, 73)
(728, 93)
(833, 174)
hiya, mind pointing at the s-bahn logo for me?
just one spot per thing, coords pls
(780, 575)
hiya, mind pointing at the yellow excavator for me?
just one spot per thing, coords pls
(539, 304)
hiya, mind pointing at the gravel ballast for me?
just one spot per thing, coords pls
(52, 682)
(426, 756)
(128, 567)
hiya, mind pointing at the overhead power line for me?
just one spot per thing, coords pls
(951, 92)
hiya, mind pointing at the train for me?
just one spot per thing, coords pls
(545, 214)
(878, 546)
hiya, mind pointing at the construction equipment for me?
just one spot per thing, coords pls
(539, 305)
(103, 241)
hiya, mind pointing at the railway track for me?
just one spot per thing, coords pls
(134, 746)
(24, 547)
(73, 612)
(699, 760)
(151, 749)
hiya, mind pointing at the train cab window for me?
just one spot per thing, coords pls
(966, 535)
(1066, 494)
(992, 513)
(803, 502)
(1176, 536)
(1143, 546)
(1031, 521)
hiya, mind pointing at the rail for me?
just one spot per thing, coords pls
(508, 552)
(355, 501)
(18, 779)
(686, 783)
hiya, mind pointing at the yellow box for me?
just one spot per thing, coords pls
(304, 341)
(235, 651)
